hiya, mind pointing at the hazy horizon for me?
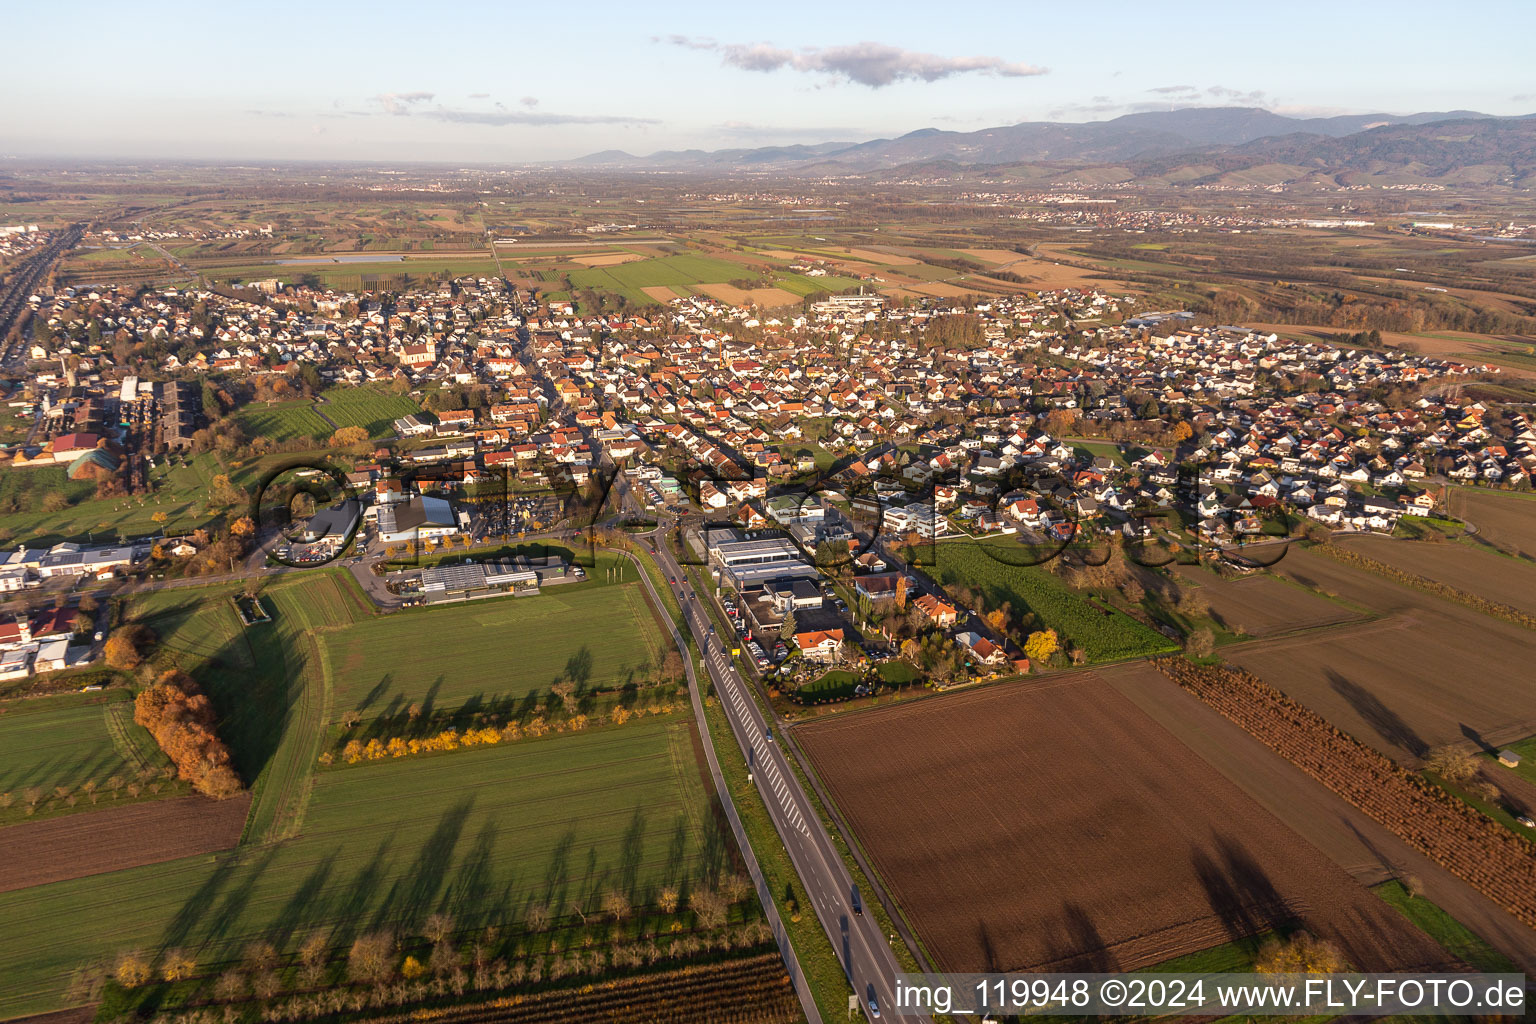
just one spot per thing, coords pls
(352, 82)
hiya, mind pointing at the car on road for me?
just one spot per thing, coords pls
(768, 732)
(874, 1006)
(672, 580)
(856, 903)
(1525, 820)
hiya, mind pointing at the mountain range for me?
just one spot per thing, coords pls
(1176, 144)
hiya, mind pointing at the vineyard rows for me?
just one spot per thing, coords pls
(1458, 837)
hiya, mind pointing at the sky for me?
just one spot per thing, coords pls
(511, 82)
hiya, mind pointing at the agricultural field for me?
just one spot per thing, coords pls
(73, 753)
(493, 652)
(482, 834)
(1429, 671)
(1136, 849)
(1504, 519)
(115, 838)
(1104, 634)
(1263, 605)
(373, 409)
(1498, 578)
(687, 269)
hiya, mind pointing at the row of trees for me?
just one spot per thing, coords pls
(181, 719)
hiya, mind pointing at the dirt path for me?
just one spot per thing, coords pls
(1342, 832)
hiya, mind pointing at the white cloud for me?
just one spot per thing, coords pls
(873, 64)
(399, 103)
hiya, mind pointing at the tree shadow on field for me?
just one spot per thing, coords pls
(349, 910)
(306, 906)
(1082, 936)
(1239, 891)
(469, 898)
(1388, 725)
(377, 693)
(414, 891)
(555, 881)
(1477, 737)
(631, 853)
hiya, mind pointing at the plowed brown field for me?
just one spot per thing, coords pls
(95, 842)
(1262, 605)
(1052, 824)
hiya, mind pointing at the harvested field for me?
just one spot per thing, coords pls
(661, 293)
(1506, 520)
(749, 296)
(96, 842)
(1495, 577)
(1466, 842)
(1001, 257)
(1432, 672)
(1135, 850)
(883, 258)
(607, 259)
(1262, 605)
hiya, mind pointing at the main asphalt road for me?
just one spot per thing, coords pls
(861, 945)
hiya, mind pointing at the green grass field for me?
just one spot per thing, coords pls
(269, 683)
(1456, 937)
(373, 409)
(499, 650)
(482, 834)
(799, 284)
(283, 421)
(685, 269)
(24, 521)
(1104, 637)
(70, 741)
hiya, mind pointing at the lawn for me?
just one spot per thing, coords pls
(1103, 635)
(373, 409)
(497, 650)
(896, 673)
(833, 685)
(799, 284)
(1526, 748)
(481, 834)
(1456, 937)
(70, 742)
(283, 421)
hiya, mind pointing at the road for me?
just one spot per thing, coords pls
(861, 945)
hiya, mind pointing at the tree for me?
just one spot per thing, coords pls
(55, 501)
(616, 904)
(132, 970)
(438, 928)
(1300, 954)
(787, 627)
(125, 647)
(370, 960)
(1201, 643)
(998, 620)
(177, 965)
(666, 900)
(346, 437)
(1041, 645)
(1451, 763)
